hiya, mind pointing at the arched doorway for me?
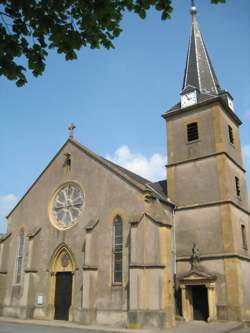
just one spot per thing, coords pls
(62, 270)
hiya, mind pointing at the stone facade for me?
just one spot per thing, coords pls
(145, 294)
(201, 181)
(121, 250)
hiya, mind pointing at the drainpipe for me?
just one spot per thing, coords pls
(174, 256)
(174, 244)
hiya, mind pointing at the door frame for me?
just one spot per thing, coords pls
(62, 260)
(186, 295)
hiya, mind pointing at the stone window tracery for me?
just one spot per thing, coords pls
(66, 206)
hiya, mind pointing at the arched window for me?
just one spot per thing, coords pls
(19, 259)
(117, 250)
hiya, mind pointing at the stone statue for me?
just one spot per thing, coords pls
(195, 258)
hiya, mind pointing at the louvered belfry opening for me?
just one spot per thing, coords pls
(192, 131)
(230, 133)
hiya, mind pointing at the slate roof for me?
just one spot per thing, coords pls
(143, 183)
(200, 75)
(199, 71)
(160, 186)
(129, 173)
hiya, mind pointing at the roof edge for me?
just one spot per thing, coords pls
(216, 99)
(111, 166)
(36, 180)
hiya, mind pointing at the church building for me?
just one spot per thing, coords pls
(94, 243)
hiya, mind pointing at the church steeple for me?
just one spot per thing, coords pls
(199, 72)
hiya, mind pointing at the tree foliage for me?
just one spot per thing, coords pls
(29, 28)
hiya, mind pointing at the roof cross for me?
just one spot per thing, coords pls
(71, 130)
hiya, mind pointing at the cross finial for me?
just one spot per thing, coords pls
(71, 130)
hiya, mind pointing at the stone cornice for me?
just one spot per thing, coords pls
(146, 266)
(157, 220)
(30, 270)
(213, 203)
(204, 157)
(215, 100)
(35, 231)
(213, 256)
(89, 268)
(5, 237)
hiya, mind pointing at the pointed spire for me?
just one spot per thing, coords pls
(199, 72)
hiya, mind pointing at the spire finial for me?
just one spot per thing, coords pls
(71, 130)
(193, 9)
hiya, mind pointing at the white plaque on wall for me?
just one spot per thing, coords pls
(39, 299)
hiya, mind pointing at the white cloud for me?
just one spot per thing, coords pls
(152, 168)
(7, 202)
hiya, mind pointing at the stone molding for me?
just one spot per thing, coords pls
(3, 272)
(217, 100)
(146, 266)
(4, 237)
(213, 203)
(204, 157)
(89, 268)
(216, 256)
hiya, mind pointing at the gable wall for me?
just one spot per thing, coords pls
(106, 195)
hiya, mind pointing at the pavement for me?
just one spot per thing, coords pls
(11, 325)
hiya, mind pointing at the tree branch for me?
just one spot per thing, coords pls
(3, 13)
(5, 23)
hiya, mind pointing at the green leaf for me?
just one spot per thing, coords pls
(34, 27)
(142, 13)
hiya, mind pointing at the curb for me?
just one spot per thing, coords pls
(65, 324)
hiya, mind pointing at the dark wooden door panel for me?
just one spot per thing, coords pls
(200, 302)
(63, 295)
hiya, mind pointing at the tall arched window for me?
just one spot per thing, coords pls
(19, 259)
(117, 250)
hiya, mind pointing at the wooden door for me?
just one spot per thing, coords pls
(200, 302)
(63, 295)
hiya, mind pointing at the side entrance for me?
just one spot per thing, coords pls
(198, 297)
(200, 302)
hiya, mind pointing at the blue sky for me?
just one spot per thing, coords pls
(116, 97)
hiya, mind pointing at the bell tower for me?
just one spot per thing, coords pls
(207, 182)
